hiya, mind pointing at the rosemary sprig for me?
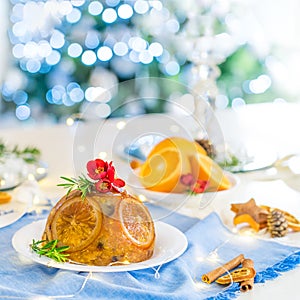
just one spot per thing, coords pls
(29, 154)
(229, 162)
(50, 250)
(82, 184)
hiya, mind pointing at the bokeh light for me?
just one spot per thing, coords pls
(103, 110)
(74, 16)
(92, 40)
(141, 6)
(237, 102)
(112, 3)
(53, 58)
(23, 112)
(33, 65)
(109, 15)
(95, 8)
(75, 50)
(104, 53)
(120, 48)
(260, 84)
(172, 68)
(78, 2)
(20, 97)
(125, 11)
(44, 48)
(88, 57)
(18, 50)
(145, 57)
(156, 49)
(57, 39)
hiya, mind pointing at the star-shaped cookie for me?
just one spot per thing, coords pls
(250, 213)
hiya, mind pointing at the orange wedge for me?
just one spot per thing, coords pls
(162, 170)
(75, 218)
(181, 144)
(204, 168)
(136, 222)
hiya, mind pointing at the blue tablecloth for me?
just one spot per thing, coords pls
(210, 244)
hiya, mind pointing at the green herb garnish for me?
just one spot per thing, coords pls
(50, 250)
(29, 154)
(82, 184)
(231, 161)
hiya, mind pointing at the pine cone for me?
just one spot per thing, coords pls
(208, 147)
(277, 224)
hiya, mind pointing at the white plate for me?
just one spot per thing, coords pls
(176, 200)
(11, 212)
(170, 244)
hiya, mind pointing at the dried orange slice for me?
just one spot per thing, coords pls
(136, 222)
(76, 223)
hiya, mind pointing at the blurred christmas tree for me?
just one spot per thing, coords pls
(68, 54)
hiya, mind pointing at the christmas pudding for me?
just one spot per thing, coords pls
(98, 222)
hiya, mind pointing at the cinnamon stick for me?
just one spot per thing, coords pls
(214, 274)
(247, 285)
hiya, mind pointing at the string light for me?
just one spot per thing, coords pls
(102, 155)
(121, 125)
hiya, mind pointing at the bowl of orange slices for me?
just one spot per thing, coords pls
(177, 168)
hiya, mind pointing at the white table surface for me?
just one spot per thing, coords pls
(271, 127)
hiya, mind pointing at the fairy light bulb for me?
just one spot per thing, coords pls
(121, 125)
(40, 170)
(199, 259)
(213, 256)
(142, 198)
(199, 285)
(30, 177)
(247, 232)
(70, 121)
(102, 155)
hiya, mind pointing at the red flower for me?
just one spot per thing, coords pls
(118, 182)
(105, 175)
(200, 186)
(195, 186)
(111, 172)
(97, 169)
(103, 185)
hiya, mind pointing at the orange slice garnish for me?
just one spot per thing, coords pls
(136, 222)
(76, 223)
